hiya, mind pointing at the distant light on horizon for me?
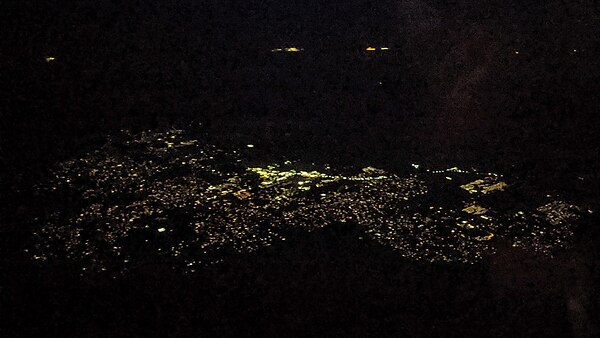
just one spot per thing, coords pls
(372, 49)
(296, 49)
(288, 49)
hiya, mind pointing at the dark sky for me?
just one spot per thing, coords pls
(526, 72)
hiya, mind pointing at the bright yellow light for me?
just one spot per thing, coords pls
(371, 48)
(385, 48)
(289, 49)
(50, 59)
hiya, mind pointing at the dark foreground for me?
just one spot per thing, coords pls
(498, 86)
(325, 283)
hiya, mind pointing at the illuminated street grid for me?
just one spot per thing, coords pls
(170, 197)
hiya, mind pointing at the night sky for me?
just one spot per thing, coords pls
(267, 144)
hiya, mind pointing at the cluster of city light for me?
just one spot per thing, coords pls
(174, 196)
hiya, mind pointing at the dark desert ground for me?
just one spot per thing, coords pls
(291, 157)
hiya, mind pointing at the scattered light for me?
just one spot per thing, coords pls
(220, 202)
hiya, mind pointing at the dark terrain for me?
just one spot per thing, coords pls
(504, 86)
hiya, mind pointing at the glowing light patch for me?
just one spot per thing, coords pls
(484, 186)
(370, 49)
(475, 209)
(500, 186)
(50, 59)
(242, 194)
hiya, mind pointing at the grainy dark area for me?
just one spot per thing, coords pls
(509, 86)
